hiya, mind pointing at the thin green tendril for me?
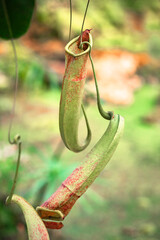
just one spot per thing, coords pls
(18, 142)
(17, 139)
(107, 115)
(81, 45)
(16, 71)
(70, 24)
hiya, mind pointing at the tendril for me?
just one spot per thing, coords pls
(17, 139)
(107, 115)
(70, 24)
(81, 45)
(16, 71)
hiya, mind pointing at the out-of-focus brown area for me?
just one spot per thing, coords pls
(116, 72)
(116, 69)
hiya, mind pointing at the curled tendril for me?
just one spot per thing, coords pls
(17, 139)
(107, 115)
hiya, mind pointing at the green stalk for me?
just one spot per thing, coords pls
(17, 141)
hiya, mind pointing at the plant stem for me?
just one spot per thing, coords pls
(19, 143)
(17, 138)
(84, 21)
(16, 70)
(70, 24)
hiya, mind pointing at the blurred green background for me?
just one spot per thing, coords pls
(123, 203)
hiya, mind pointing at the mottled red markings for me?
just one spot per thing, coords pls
(80, 77)
(66, 208)
(64, 199)
(81, 74)
(74, 177)
(69, 90)
(66, 195)
(42, 231)
(71, 194)
(76, 89)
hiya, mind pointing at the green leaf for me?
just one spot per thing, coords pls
(19, 14)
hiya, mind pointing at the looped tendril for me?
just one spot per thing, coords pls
(67, 47)
(81, 45)
(17, 139)
(107, 115)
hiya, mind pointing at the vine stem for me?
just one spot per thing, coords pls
(107, 115)
(70, 24)
(19, 143)
(17, 139)
(16, 71)
(15, 93)
(83, 23)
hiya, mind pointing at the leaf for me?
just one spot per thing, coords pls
(19, 14)
(35, 226)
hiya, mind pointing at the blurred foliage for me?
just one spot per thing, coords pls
(34, 73)
(150, 73)
(141, 6)
(120, 23)
(8, 221)
(7, 169)
(8, 217)
(154, 46)
(48, 177)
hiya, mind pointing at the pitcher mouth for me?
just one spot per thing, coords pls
(48, 215)
(81, 53)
